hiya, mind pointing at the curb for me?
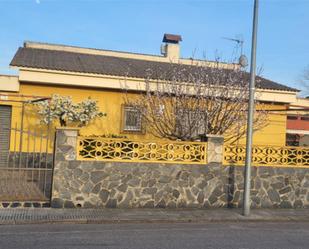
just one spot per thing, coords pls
(73, 216)
(125, 221)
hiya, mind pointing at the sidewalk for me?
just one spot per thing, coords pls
(48, 215)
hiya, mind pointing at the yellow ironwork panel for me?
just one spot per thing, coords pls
(287, 156)
(125, 150)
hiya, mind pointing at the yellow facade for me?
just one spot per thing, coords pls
(110, 102)
(274, 133)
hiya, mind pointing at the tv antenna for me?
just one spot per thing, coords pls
(239, 41)
(243, 61)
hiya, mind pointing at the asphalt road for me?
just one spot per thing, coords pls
(154, 236)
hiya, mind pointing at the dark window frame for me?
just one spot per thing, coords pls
(304, 118)
(292, 117)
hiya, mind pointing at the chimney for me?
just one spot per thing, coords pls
(171, 48)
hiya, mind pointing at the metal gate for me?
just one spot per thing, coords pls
(26, 166)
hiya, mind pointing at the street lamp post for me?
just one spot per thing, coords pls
(247, 181)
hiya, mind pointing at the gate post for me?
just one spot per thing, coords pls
(215, 149)
(65, 150)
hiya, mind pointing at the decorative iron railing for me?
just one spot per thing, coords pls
(268, 156)
(125, 150)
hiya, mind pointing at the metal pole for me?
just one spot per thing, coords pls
(46, 151)
(21, 133)
(246, 199)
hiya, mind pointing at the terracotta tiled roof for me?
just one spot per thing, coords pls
(109, 65)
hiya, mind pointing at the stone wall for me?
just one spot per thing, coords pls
(271, 187)
(149, 185)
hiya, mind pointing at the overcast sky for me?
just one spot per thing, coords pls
(138, 26)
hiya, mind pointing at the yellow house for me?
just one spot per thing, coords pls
(46, 69)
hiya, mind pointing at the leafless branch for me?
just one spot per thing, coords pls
(187, 102)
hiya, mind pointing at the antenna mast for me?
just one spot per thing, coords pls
(243, 61)
(239, 41)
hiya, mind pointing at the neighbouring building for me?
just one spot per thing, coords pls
(297, 133)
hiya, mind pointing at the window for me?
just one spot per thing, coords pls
(292, 139)
(132, 120)
(305, 118)
(191, 122)
(289, 117)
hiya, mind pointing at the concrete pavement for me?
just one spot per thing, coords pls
(49, 215)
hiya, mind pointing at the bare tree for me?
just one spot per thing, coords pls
(188, 102)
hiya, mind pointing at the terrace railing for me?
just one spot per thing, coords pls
(127, 150)
(275, 156)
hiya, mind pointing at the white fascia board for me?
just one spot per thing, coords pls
(53, 77)
(303, 132)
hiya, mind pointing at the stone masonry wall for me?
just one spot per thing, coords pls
(149, 185)
(127, 185)
(271, 187)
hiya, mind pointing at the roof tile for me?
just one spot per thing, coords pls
(108, 65)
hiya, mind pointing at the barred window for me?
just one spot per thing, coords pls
(132, 119)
